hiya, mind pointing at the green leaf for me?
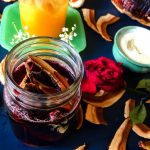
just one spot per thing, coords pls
(138, 114)
(144, 83)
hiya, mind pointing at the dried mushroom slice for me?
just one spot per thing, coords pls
(31, 76)
(76, 3)
(82, 147)
(54, 74)
(32, 88)
(104, 100)
(95, 115)
(144, 145)
(23, 82)
(129, 106)
(120, 138)
(101, 93)
(142, 130)
(102, 24)
(119, 6)
(89, 17)
(148, 101)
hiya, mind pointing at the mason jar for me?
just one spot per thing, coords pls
(42, 118)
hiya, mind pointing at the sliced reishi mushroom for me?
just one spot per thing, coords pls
(148, 101)
(129, 106)
(120, 7)
(144, 145)
(89, 17)
(76, 3)
(82, 147)
(142, 130)
(102, 24)
(104, 100)
(56, 76)
(120, 138)
(95, 115)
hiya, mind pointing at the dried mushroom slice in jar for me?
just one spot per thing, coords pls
(40, 75)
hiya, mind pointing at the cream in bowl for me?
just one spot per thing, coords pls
(131, 47)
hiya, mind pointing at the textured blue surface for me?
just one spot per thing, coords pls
(96, 137)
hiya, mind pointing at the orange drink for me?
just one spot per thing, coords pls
(43, 17)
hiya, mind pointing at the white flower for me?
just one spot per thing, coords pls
(64, 29)
(75, 34)
(61, 35)
(66, 35)
(20, 35)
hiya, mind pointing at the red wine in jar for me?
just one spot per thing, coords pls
(35, 126)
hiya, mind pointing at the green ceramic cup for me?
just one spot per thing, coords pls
(120, 56)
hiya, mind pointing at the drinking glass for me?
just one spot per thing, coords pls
(43, 17)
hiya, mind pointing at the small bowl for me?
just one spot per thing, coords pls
(121, 56)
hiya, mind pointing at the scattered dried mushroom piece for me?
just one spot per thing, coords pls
(56, 76)
(89, 17)
(105, 100)
(148, 101)
(120, 138)
(142, 130)
(82, 147)
(144, 145)
(76, 3)
(95, 115)
(129, 105)
(101, 25)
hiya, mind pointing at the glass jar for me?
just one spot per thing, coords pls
(39, 119)
(43, 17)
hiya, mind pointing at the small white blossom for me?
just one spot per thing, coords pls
(64, 29)
(67, 35)
(61, 35)
(20, 35)
(73, 28)
(70, 37)
(75, 34)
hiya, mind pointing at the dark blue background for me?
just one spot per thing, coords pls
(96, 137)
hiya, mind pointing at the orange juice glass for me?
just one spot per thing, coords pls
(43, 17)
